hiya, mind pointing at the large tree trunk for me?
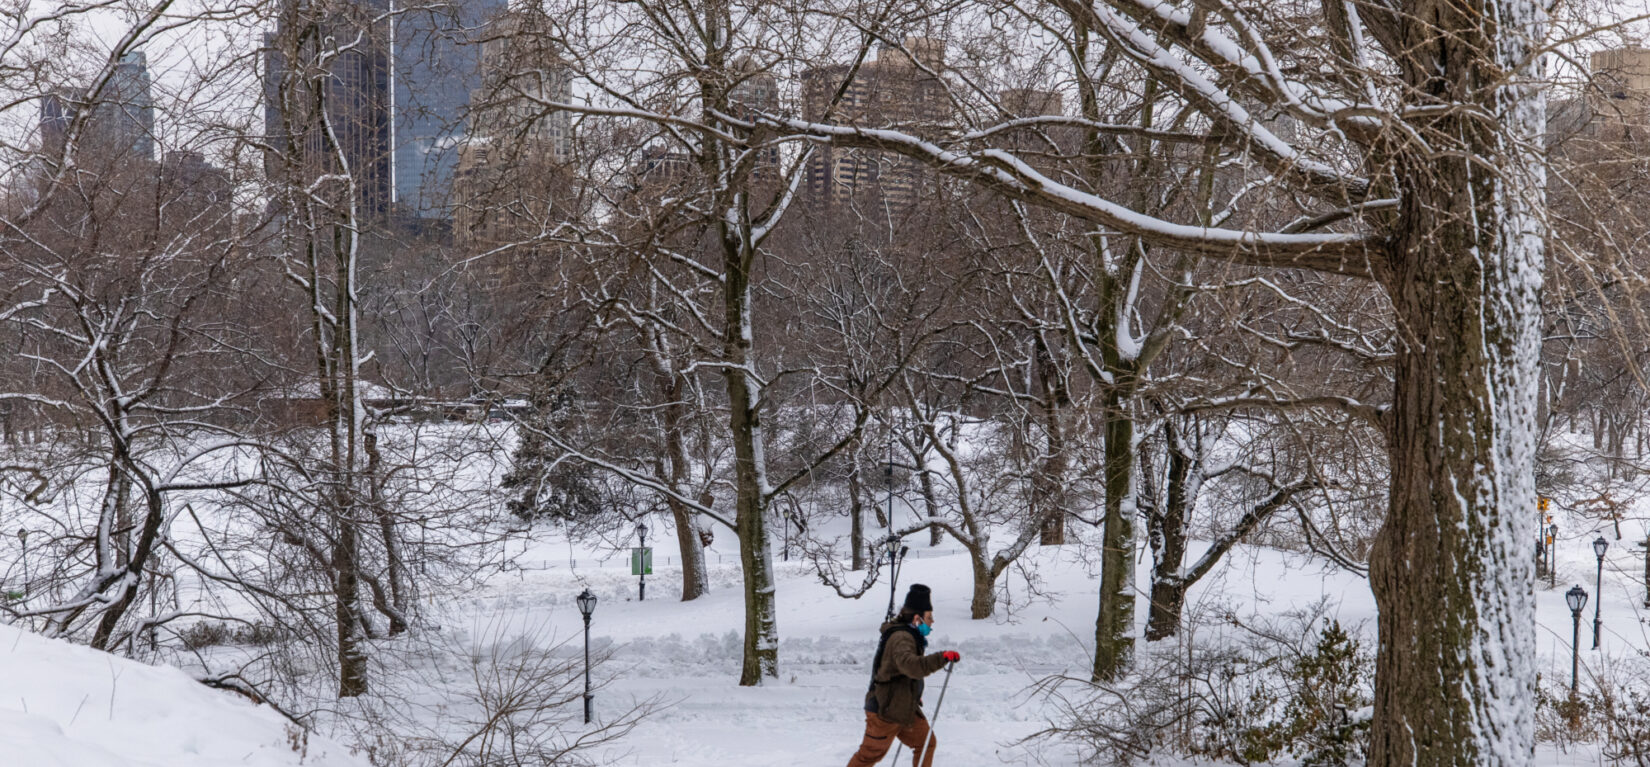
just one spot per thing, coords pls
(133, 567)
(1114, 626)
(695, 581)
(352, 655)
(984, 602)
(1451, 572)
(761, 630)
(1168, 599)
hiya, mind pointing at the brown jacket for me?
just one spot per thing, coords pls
(896, 685)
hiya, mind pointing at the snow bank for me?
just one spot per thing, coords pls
(63, 705)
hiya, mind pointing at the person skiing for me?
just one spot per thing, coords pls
(893, 705)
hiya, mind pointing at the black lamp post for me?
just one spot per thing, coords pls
(23, 538)
(1576, 597)
(1552, 556)
(641, 568)
(587, 605)
(896, 554)
(1599, 547)
(888, 474)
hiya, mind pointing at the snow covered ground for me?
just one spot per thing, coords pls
(63, 705)
(688, 654)
(67, 705)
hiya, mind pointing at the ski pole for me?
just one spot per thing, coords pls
(937, 704)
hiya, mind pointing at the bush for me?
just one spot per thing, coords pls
(197, 636)
(1326, 714)
(1280, 688)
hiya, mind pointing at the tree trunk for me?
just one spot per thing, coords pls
(1168, 537)
(1048, 485)
(931, 503)
(352, 656)
(695, 580)
(1047, 488)
(1168, 599)
(985, 585)
(856, 512)
(1451, 572)
(750, 471)
(396, 609)
(1114, 625)
(133, 567)
(761, 631)
(1114, 647)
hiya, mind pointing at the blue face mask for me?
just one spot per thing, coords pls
(924, 629)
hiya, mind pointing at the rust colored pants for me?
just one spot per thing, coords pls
(879, 737)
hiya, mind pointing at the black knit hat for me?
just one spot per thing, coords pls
(917, 600)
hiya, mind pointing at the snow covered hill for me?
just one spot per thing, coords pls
(64, 705)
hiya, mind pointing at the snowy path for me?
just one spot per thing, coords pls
(689, 654)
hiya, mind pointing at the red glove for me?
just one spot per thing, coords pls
(951, 656)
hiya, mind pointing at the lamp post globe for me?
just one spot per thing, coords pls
(1600, 545)
(587, 606)
(1576, 598)
(892, 547)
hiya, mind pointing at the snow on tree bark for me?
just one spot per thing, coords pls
(1455, 681)
(761, 658)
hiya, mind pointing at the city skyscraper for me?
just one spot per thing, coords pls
(355, 89)
(511, 179)
(397, 98)
(898, 88)
(122, 117)
(437, 66)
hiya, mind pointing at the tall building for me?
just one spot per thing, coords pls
(511, 180)
(355, 89)
(436, 53)
(122, 117)
(756, 90)
(1609, 122)
(899, 88)
(397, 98)
(128, 105)
(520, 70)
(1620, 96)
(197, 180)
(58, 110)
(1043, 146)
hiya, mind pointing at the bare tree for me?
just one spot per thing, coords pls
(1445, 192)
